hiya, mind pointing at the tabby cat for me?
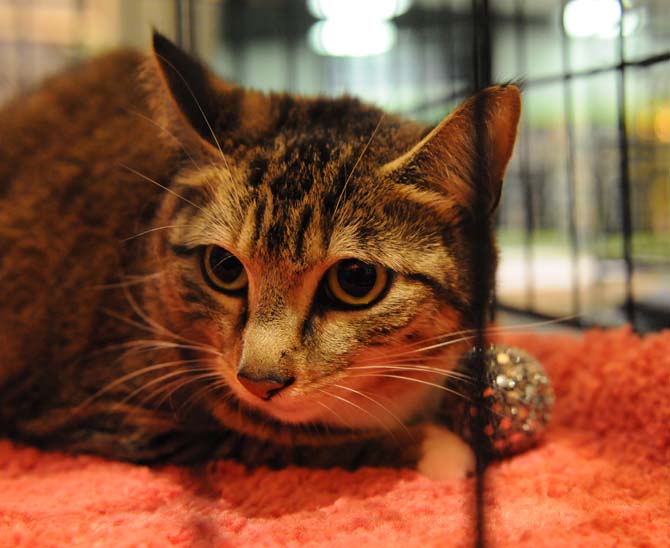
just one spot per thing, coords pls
(193, 270)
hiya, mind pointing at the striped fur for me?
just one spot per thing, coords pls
(118, 346)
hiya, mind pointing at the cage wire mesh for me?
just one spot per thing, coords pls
(584, 222)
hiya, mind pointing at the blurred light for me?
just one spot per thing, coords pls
(354, 28)
(598, 18)
(352, 38)
(662, 125)
(351, 10)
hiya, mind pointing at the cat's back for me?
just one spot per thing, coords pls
(67, 202)
(62, 120)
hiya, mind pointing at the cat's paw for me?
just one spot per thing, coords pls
(444, 455)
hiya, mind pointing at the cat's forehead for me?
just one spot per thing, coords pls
(317, 146)
(312, 188)
(315, 127)
(292, 224)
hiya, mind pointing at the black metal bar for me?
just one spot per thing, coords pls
(481, 37)
(179, 23)
(524, 162)
(636, 63)
(552, 79)
(569, 120)
(424, 40)
(482, 263)
(185, 28)
(236, 24)
(624, 178)
(192, 28)
(450, 40)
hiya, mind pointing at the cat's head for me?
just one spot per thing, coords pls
(322, 247)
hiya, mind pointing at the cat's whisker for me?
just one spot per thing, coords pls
(162, 379)
(418, 359)
(335, 414)
(496, 329)
(158, 328)
(360, 408)
(153, 323)
(360, 157)
(444, 344)
(416, 347)
(528, 325)
(172, 387)
(402, 355)
(377, 403)
(167, 189)
(133, 323)
(162, 345)
(150, 231)
(199, 106)
(129, 281)
(410, 367)
(412, 379)
(420, 364)
(167, 132)
(149, 345)
(143, 371)
(202, 392)
(488, 331)
(226, 258)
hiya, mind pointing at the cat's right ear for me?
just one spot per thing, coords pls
(465, 156)
(188, 98)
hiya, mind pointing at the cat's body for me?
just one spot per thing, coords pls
(148, 349)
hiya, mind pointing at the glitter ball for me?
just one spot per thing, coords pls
(502, 358)
(517, 400)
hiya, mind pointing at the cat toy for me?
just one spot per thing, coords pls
(516, 399)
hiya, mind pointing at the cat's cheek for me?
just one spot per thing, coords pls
(444, 455)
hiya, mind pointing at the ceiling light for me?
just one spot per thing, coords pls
(380, 10)
(358, 39)
(598, 18)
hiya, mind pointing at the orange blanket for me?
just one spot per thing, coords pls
(602, 478)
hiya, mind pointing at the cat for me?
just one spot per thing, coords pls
(194, 270)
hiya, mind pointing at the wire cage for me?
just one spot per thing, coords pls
(584, 222)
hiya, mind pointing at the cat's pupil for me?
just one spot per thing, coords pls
(225, 265)
(356, 277)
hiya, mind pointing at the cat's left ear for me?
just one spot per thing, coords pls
(468, 151)
(185, 93)
(196, 105)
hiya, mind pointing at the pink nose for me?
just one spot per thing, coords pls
(263, 388)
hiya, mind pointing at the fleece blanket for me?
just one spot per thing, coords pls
(601, 478)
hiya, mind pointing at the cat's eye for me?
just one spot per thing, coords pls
(223, 271)
(356, 284)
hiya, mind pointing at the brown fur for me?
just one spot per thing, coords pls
(290, 185)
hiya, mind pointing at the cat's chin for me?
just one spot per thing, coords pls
(294, 412)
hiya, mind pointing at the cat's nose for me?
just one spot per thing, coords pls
(264, 387)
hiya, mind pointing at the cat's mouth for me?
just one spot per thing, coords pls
(287, 406)
(373, 404)
(343, 408)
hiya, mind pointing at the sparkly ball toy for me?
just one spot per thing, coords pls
(516, 399)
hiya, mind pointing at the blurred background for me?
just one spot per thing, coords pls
(584, 223)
